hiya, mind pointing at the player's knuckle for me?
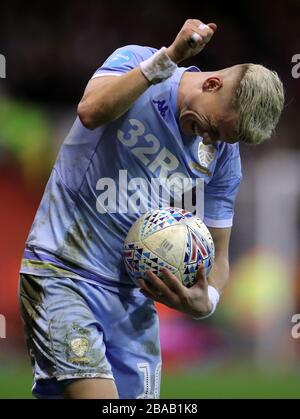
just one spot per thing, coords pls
(209, 33)
(197, 22)
(186, 32)
(168, 283)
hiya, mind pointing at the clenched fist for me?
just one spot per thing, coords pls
(191, 39)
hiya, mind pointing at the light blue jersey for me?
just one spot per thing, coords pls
(100, 183)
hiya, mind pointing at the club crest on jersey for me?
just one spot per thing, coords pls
(206, 155)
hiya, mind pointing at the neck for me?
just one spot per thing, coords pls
(188, 82)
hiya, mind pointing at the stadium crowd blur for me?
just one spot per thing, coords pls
(53, 48)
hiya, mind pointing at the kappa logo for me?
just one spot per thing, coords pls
(162, 107)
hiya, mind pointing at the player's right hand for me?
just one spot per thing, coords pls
(169, 291)
(191, 39)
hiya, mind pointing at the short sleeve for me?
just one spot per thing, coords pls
(123, 60)
(221, 192)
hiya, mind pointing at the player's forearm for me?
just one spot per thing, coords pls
(112, 100)
(219, 274)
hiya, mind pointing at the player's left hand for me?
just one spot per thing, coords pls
(171, 292)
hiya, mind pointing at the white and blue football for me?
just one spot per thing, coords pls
(168, 238)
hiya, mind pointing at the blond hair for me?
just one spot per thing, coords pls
(259, 99)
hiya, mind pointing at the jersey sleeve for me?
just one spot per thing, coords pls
(123, 60)
(221, 192)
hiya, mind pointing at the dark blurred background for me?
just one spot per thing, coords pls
(51, 50)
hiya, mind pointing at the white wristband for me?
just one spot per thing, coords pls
(159, 67)
(214, 297)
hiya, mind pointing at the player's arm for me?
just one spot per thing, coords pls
(109, 97)
(219, 274)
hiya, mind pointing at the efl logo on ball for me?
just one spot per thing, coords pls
(168, 238)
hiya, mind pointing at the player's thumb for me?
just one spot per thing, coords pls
(213, 26)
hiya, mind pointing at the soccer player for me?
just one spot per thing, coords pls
(91, 333)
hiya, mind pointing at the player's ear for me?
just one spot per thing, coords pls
(212, 84)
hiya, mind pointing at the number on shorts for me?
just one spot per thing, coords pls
(144, 367)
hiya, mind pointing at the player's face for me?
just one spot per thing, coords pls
(209, 115)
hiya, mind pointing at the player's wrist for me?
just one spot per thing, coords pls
(171, 53)
(213, 300)
(158, 67)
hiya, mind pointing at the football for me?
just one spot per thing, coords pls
(168, 238)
